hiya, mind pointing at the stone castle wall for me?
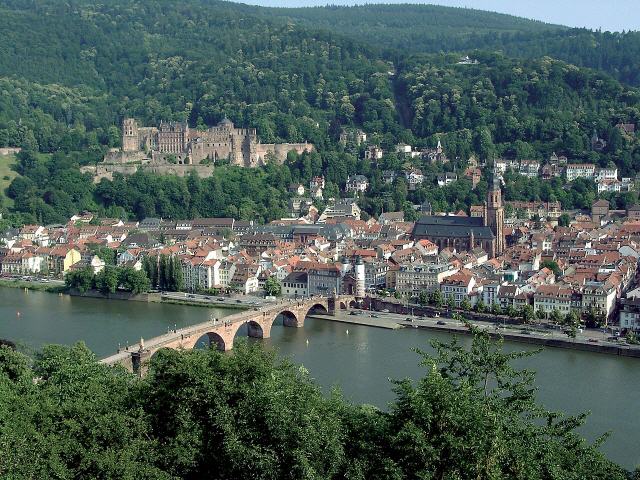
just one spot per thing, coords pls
(173, 148)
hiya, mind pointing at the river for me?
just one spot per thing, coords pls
(568, 380)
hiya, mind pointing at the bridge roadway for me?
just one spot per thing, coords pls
(221, 332)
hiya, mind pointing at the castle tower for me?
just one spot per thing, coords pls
(495, 214)
(130, 135)
(360, 277)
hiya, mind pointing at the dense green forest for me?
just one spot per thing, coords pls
(203, 414)
(433, 29)
(69, 73)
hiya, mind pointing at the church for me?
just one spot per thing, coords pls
(468, 233)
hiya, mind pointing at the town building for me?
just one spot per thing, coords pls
(296, 285)
(373, 153)
(467, 233)
(458, 287)
(580, 170)
(357, 183)
(413, 279)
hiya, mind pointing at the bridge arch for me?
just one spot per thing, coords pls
(317, 308)
(353, 304)
(255, 329)
(213, 339)
(289, 318)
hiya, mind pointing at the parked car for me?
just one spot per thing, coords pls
(441, 322)
(220, 299)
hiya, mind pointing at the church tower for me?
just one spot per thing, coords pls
(494, 217)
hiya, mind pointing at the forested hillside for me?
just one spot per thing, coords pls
(69, 73)
(398, 29)
(519, 109)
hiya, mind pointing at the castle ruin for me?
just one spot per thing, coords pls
(174, 148)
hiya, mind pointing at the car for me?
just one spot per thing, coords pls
(386, 310)
(238, 301)
(409, 319)
(592, 340)
(373, 315)
(192, 296)
(353, 313)
(220, 299)
(436, 315)
(441, 322)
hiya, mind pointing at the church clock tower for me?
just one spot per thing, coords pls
(494, 217)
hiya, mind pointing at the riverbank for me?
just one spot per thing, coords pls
(37, 286)
(171, 298)
(533, 338)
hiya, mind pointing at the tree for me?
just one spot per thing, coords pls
(163, 277)
(436, 299)
(106, 254)
(480, 307)
(553, 266)
(423, 298)
(107, 279)
(497, 398)
(150, 266)
(134, 281)
(496, 309)
(527, 313)
(81, 280)
(564, 220)
(555, 316)
(465, 304)
(272, 286)
(451, 303)
(175, 276)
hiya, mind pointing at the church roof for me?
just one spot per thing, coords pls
(451, 226)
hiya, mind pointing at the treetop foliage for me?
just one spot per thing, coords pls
(204, 414)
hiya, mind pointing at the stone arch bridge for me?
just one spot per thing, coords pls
(221, 332)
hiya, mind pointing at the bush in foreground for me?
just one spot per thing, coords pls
(250, 415)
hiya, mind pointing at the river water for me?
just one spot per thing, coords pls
(360, 360)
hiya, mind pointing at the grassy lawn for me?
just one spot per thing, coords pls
(6, 176)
